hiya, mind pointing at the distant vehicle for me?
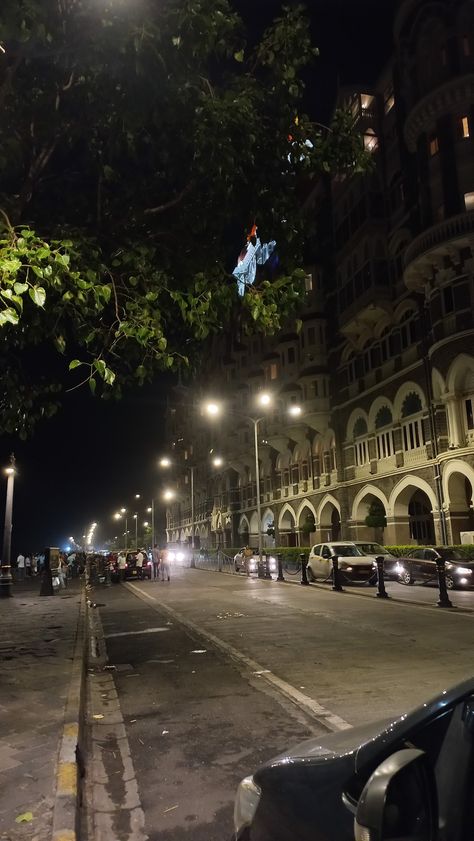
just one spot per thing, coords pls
(178, 553)
(250, 563)
(131, 569)
(420, 565)
(353, 564)
(405, 780)
(391, 565)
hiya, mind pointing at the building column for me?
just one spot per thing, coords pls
(397, 531)
(457, 437)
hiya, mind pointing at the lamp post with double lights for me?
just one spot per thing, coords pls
(165, 463)
(214, 410)
(5, 568)
(122, 513)
(264, 400)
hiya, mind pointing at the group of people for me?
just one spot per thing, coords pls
(26, 565)
(29, 564)
(160, 563)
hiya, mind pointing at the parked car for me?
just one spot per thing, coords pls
(420, 565)
(131, 570)
(250, 563)
(391, 565)
(353, 564)
(409, 779)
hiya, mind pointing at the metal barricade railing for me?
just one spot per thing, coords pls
(214, 561)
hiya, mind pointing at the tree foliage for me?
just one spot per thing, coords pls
(137, 141)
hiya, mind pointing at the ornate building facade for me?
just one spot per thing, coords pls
(383, 367)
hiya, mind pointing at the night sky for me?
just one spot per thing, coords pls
(94, 455)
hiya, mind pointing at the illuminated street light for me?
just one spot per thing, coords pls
(5, 568)
(213, 409)
(218, 461)
(295, 411)
(137, 496)
(123, 510)
(165, 462)
(264, 399)
(168, 495)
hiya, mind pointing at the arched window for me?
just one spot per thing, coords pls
(383, 417)
(384, 437)
(361, 442)
(360, 428)
(413, 431)
(411, 405)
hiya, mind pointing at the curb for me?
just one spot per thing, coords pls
(67, 800)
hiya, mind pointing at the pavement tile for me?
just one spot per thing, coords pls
(37, 646)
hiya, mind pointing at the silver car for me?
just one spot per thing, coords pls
(353, 564)
(249, 562)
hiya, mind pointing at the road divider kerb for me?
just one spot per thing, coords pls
(325, 717)
(66, 804)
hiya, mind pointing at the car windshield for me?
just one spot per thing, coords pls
(372, 549)
(347, 551)
(453, 555)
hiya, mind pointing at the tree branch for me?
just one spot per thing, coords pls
(173, 202)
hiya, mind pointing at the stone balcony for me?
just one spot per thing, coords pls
(451, 97)
(426, 252)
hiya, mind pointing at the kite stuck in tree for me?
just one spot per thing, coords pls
(254, 253)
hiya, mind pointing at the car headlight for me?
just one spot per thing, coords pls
(171, 556)
(180, 556)
(463, 571)
(246, 802)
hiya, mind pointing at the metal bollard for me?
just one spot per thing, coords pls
(443, 600)
(219, 561)
(280, 568)
(381, 591)
(336, 584)
(304, 577)
(260, 569)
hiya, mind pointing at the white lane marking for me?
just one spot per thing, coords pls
(132, 633)
(324, 716)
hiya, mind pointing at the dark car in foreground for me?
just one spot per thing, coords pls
(420, 565)
(411, 779)
(391, 566)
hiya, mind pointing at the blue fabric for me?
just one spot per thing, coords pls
(246, 269)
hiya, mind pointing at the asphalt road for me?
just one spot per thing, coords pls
(255, 667)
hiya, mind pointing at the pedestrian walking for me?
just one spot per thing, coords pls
(156, 561)
(20, 565)
(165, 564)
(139, 563)
(122, 565)
(28, 566)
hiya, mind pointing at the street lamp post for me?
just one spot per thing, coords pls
(5, 568)
(265, 400)
(166, 462)
(135, 517)
(191, 468)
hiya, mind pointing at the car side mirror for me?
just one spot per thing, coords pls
(399, 801)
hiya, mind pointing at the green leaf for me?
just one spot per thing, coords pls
(100, 366)
(9, 315)
(92, 385)
(239, 56)
(109, 376)
(38, 295)
(75, 364)
(20, 287)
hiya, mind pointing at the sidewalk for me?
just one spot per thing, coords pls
(41, 662)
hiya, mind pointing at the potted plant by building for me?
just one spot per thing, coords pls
(376, 519)
(308, 527)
